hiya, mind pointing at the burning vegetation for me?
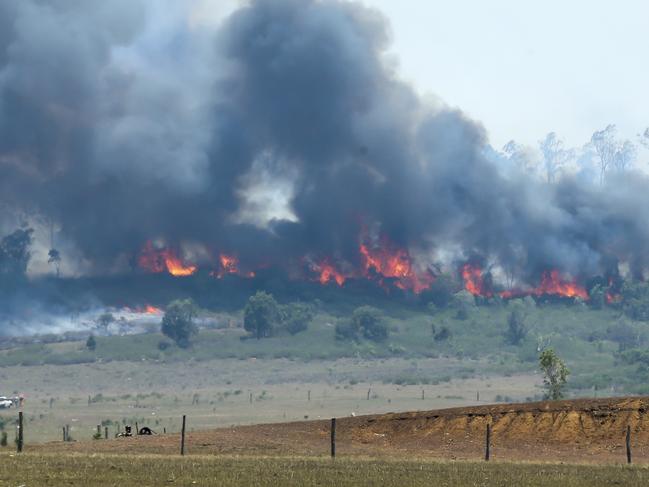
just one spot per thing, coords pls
(382, 263)
(365, 183)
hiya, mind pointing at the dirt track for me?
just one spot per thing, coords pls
(582, 431)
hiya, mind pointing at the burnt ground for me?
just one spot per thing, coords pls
(576, 431)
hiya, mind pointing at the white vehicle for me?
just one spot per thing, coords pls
(6, 403)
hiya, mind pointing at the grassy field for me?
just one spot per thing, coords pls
(589, 340)
(109, 470)
(217, 393)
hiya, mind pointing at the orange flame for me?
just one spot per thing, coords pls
(552, 283)
(152, 310)
(396, 264)
(161, 260)
(474, 282)
(329, 273)
(229, 264)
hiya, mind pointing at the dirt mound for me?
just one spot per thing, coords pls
(577, 431)
(588, 421)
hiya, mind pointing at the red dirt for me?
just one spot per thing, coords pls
(580, 431)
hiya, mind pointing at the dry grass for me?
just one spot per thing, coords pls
(121, 470)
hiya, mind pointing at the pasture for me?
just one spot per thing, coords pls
(144, 471)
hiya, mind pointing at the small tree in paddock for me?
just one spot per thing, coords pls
(91, 343)
(261, 315)
(104, 321)
(516, 327)
(178, 322)
(555, 374)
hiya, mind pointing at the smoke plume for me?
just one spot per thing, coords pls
(280, 133)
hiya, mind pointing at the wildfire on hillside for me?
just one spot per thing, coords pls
(381, 262)
(552, 284)
(162, 260)
(328, 273)
(394, 263)
(229, 264)
(474, 281)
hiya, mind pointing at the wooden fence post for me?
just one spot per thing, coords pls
(105, 432)
(487, 446)
(333, 437)
(20, 432)
(182, 437)
(64, 438)
(628, 444)
(309, 396)
(67, 432)
(137, 429)
(98, 431)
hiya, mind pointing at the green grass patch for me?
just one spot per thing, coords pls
(141, 471)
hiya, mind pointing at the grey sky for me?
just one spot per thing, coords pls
(525, 68)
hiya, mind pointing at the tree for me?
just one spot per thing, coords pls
(519, 155)
(104, 321)
(366, 322)
(91, 343)
(370, 323)
(635, 297)
(611, 152)
(516, 328)
(178, 322)
(644, 138)
(625, 155)
(261, 315)
(54, 258)
(597, 296)
(603, 142)
(15, 253)
(555, 374)
(555, 156)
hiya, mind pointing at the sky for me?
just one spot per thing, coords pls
(525, 68)
(522, 68)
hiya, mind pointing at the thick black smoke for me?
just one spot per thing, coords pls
(125, 122)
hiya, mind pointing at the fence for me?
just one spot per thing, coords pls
(66, 437)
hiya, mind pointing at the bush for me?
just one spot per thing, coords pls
(163, 345)
(636, 300)
(440, 293)
(91, 343)
(296, 317)
(261, 315)
(178, 322)
(346, 331)
(366, 322)
(443, 334)
(463, 302)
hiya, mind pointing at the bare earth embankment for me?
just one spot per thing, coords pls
(576, 431)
